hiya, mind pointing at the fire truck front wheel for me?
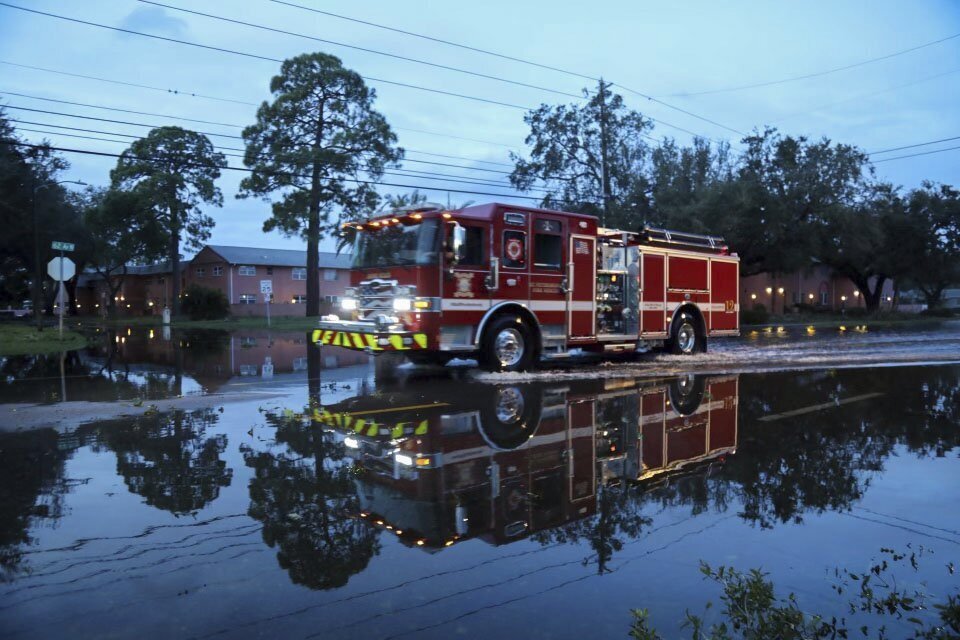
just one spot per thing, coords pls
(508, 345)
(686, 335)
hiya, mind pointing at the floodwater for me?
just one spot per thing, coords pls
(337, 503)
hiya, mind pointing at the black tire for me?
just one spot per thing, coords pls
(508, 345)
(686, 393)
(510, 416)
(686, 335)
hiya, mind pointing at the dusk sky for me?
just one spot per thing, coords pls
(696, 56)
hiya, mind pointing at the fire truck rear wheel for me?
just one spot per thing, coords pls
(508, 345)
(686, 336)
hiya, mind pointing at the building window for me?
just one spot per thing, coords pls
(298, 273)
(201, 272)
(248, 298)
(299, 300)
(269, 271)
(300, 364)
(248, 370)
(248, 341)
(218, 270)
(247, 270)
(823, 298)
(329, 275)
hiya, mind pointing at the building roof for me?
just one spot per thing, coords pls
(278, 257)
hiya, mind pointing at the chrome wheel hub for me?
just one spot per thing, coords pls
(509, 405)
(508, 347)
(686, 337)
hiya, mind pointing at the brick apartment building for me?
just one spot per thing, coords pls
(818, 287)
(236, 271)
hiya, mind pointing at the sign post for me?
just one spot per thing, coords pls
(266, 288)
(61, 269)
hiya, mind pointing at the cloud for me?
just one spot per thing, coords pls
(154, 20)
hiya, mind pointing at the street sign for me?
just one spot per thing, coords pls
(61, 269)
(62, 246)
(266, 286)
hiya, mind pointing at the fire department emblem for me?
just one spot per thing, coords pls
(464, 285)
(514, 249)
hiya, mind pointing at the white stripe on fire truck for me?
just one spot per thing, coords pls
(459, 304)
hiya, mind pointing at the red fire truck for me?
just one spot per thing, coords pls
(509, 285)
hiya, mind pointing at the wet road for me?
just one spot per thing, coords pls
(448, 503)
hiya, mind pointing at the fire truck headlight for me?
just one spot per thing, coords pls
(348, 304)
(403, 459)
(351, 442)
(401, 304)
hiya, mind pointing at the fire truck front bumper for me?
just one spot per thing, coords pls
(367, 336)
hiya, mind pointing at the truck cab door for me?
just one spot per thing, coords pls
(582, 283)
(465, 267)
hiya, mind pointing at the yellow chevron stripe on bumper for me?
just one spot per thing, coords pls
(361, 341)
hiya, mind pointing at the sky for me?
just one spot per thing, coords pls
(695, 58)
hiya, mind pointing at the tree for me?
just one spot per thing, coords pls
(571, 145)
(175, 170)
(314, 143)
(121, 230)
(401, 200)
(788, 189)
(929, 234)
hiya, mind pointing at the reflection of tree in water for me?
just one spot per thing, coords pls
(167, 458)
(618, 518)
(307, 500)
(32, 488)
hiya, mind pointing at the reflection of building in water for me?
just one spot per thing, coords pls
(512, 460)
(211, 358)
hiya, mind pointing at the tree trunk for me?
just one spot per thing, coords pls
(872, 298)
(174, 257)
(934, 297)
(313, 231)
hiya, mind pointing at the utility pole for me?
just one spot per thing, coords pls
(604, 170)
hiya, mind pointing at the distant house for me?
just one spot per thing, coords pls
(238, 272)
(818, 287)
(145, 290)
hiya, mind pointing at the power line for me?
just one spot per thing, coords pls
(514, 59)
(131, 136)
(255, 56)
(287, 173)
(912, 146)
(914, 155)
(817, 74)
(675, 108)
(869, 94)
(254, 104)
(412, 173)
(364, 49)
(439, 40)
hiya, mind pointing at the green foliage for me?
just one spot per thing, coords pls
(566, 145)
(175, 171)
(752, 610)
(310, 147)
(202, 303)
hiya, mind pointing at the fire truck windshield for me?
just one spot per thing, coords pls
(397, 245)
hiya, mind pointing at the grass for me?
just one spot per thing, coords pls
(21, 339)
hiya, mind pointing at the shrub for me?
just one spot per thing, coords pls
(856, 312)
(757, 315)
(202, 303)
(939, 312)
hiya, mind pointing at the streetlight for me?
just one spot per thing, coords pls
(38, 268)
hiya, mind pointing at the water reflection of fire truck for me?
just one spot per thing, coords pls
(510, 285)
(513, 460)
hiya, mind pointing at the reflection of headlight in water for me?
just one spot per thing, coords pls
(348, 304)
(403, 459)
(351, 442)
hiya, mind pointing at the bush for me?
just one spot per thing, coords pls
(757, 315)
(201, 303)
(856, 312)
(806, 308)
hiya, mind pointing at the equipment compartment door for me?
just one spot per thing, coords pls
(581, 273)
(653, 296)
